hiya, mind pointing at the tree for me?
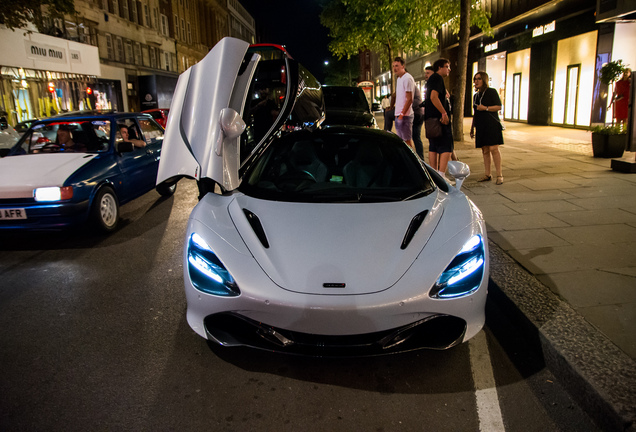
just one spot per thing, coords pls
(19, 13)
(343, 72)
(393, 26)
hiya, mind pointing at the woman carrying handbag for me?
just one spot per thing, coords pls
(486, 127)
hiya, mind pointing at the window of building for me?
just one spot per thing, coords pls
(115, 4)
(133, 12)
(153, 58)
(129, 51)
(147, 16)
(119, 49)
(109, 47)
(137, 53)
(183, 30)
(164, 25)
(156, 20)
(124, 9)
(145, 55)
(167, 60)
(176, 26)
(189, 34)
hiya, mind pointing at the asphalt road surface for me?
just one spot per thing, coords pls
(93, 337)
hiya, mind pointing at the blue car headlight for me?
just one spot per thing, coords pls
(464, 274)
(207, 273)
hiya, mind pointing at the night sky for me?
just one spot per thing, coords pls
(295, 24)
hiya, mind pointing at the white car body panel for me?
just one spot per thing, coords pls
(402, 303)
(8, 137)
(22, 174)
(194, 130)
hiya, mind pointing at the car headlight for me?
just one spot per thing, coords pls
(53, 193)
(464, 274)
(207, 273)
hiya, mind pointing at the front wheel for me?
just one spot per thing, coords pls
(106, 209)
(166, 190)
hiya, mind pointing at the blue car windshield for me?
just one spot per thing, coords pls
(65, 136)
(337, 165)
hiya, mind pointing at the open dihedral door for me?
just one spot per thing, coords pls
(202, 138)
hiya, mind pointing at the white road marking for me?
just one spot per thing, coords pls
(488, 410)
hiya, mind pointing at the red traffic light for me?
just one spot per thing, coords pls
(89, 91)
(51, 87)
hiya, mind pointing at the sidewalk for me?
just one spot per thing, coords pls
(562, 231)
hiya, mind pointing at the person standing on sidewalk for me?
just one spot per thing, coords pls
(437, 106)
(404, 89)
(486, 127)
(389, 111)
(418, 121)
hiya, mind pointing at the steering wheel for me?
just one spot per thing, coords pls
(50, 147)
(293, 181)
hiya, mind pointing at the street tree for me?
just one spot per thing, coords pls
(390, 27)
(15, 14)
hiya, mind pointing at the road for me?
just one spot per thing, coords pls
(93, 336)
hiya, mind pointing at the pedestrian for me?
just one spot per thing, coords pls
(389, 113)
(437, 107)
(404, 89)
(486, 127)
(418, 121)
(620, 99)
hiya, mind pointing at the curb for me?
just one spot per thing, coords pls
(596, 373)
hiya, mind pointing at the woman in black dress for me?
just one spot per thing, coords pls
(486, 124)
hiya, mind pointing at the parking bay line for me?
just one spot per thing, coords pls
(488, 410)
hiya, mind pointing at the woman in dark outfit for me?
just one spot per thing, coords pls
(489, 137)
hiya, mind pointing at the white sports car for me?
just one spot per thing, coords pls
(321, 241)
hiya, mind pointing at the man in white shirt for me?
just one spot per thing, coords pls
(404, 89)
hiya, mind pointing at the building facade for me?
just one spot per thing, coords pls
(544, 58)
(124, 55)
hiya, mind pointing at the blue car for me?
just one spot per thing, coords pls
(66, 171)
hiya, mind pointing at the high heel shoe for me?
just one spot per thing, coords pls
(485, 178)
(499, 180)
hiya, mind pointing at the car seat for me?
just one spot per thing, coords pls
(368, 168)
(304, 158)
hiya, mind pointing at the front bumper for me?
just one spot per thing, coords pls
(45, 215)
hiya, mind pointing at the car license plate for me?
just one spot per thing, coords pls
(12, 213)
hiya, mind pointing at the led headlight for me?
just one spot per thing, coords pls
(464, 274)
(207, 273)
(53, 193)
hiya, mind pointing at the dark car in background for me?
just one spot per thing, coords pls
(50, 182)
(347, 106)
(159, 114)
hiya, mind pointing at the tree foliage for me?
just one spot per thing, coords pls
(19, 13)
(392, 26)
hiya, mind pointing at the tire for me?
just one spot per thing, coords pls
(166, 190)
(106, 210)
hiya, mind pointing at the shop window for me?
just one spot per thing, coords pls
(516, 95)
(571, 94)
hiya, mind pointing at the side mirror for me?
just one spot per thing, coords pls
(125, 147)
(228, 146)
(459, 170)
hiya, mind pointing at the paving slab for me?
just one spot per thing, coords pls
(594, 217)
(596, 234)
(526, 239)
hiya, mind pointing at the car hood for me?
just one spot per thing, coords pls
(358, 245)
(19, 175)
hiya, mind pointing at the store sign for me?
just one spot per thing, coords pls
(538, 31)
(43, 52)
(491, 47)
(75, 56)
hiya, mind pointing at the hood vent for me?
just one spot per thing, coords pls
(255, 223)
(415, 224)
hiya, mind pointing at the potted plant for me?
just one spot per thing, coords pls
(609, 141)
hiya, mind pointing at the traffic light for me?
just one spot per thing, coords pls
(89, 91)
(51, 87)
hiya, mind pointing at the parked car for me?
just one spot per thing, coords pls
(8, 137)
(159, 114)
(323, 241)
(24, 126)
(347, 106)
(67, 170)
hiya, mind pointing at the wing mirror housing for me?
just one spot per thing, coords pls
(228, 146)
(459, 170)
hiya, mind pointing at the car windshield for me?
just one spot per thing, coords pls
(77, 136)
(337, 166)
(345, 98)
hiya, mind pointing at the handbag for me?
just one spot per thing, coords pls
(433, 128)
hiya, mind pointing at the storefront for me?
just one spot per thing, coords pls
(42, 76)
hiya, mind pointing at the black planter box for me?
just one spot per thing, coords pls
(625, 166)
(608, 146)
